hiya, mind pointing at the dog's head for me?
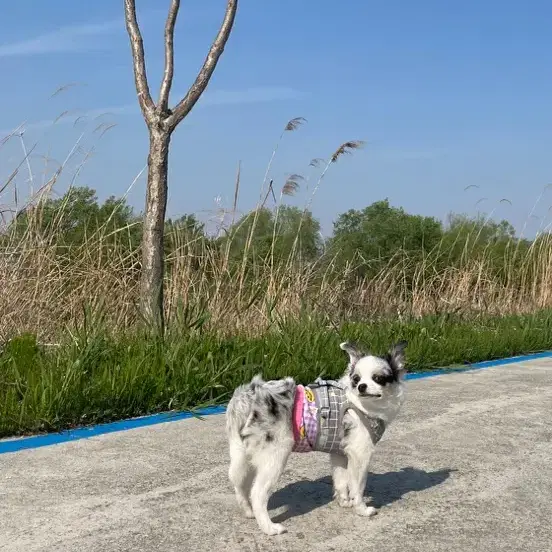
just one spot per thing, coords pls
(372, 378)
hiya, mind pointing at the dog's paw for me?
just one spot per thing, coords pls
(275, 529)
(365, 511)
(344, 501)
(248, 512)
(245, 507)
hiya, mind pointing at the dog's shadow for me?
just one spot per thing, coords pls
(302, 497)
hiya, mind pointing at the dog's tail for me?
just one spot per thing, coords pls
(258, 404)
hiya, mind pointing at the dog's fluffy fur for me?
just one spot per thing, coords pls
(260, 433)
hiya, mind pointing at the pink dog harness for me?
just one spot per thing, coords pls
(305, 424)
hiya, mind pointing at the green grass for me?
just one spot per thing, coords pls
(94, 377)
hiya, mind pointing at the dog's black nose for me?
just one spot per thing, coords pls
(362, 388)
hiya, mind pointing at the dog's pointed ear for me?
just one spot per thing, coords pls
(396, 357)
(355, 354)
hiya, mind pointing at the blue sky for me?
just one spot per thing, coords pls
(445, 94)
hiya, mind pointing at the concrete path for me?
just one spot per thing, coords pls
(467, 466)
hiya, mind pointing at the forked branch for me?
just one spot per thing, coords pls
(170, 119)
(204, 75)
(168, 73)
(138, 61)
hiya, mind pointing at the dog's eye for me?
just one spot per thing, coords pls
(356, 379)
(379, 379)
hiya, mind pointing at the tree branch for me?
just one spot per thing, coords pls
(166, 84)
(203, 77)
(139, 62)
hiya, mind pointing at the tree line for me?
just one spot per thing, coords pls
(366, 240)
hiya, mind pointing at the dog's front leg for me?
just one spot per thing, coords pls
(340, 480)
(357, 470)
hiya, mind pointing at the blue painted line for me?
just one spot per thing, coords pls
(37, 441)
(477, 366)
(70, 435)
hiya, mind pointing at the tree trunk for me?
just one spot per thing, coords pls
(151, 296)
(161, 122)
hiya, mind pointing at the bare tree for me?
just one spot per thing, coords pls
(161, 122)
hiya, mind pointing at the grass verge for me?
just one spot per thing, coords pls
(95, 377)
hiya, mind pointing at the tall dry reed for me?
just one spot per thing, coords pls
(47, 288)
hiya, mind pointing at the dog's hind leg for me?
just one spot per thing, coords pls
(269, 463)
(241, 474)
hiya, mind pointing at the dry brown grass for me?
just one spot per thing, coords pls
(46, 290)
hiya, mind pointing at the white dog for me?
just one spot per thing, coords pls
(267, 420)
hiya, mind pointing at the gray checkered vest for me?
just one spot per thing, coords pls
(332, 403)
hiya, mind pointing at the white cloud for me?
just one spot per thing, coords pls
(256, 94)
(73, 117)
(82, 37)
(67, 39)
(408, 155)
